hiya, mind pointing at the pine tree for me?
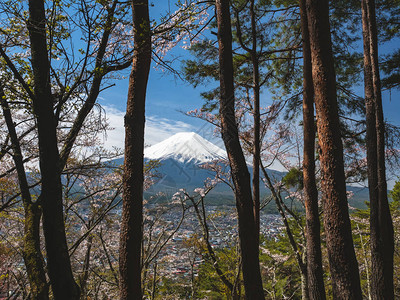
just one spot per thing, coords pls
(316, 289)
(381, 226)
(342, 259)
(240, 175)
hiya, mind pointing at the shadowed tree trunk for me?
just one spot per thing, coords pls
(83, 279)
(51, 161)
(240, 173)
(32, 253)
(339, 241)
(131, 224)
(316, 289)
(254, 56)
(381, 226)
(256, 115)
(58, 260)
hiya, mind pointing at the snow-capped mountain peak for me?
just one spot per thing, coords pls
(185, 147)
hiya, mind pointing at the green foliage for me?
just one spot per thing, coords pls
(388, 19)
(209, 283)
(201, 71)
(395, 210)
(280, 271)
(293, 179)
(395, 194)
(172, 289)
(391, 67)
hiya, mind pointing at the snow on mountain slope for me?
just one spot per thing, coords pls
(185, 147)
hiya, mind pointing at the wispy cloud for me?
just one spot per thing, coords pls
(157, 128)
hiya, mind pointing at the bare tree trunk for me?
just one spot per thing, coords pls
(240, 174)
(316, 286)
(32, 253)
(339, 241)
(132, 211)
(365, 262)
(381, 226)
(154, 283)
(85, 271)
(304, 284)
(256, 116)
(58, 260)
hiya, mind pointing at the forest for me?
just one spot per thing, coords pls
(301, 85)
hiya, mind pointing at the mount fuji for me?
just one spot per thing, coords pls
(185, 147)
(182, 158)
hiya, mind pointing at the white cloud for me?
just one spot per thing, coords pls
(157, 129)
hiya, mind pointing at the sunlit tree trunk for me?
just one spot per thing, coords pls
(58, 260)
(240, 174)
(132, 211)
(304, 284)
(339, 241)
(381, 226)
(316, 289)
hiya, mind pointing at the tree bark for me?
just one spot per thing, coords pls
(339, 241)
(256, 116)
(381, 226)
(316, 288)
(304, 283)
(131, 224)
(83, 279)
(32, 253)
(58, 260)
(240, 173)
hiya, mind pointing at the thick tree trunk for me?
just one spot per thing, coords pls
(381, 226)
(316, 287)
(131, 224)
(240, 174)
(339, 241)
(32, 253)
(58, 261)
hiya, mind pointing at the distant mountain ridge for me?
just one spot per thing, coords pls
(182, 157)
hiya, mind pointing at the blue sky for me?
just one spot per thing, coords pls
(167, 96)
